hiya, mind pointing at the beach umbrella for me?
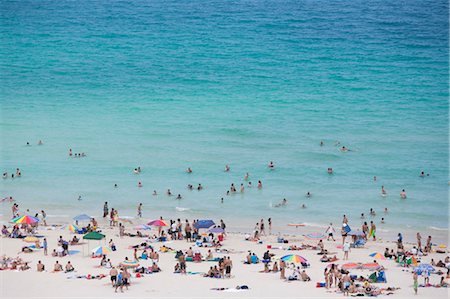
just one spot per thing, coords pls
(203, 224)
(129, 264)
(357, 233)
(82, 217)
(412, 260)
(158, 222)
(371, 266)
(73, 228)
(377, 255)
(315, 236)
(216, 230)
(293, 258)
(26, 219)
(142, 227)
(94, 236)
(101, 250)
(424, 267)
(349, 266)
(31, 239)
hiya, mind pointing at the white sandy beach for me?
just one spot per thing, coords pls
(166, 284)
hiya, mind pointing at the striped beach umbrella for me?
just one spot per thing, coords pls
(158, 222)
(26, 219)
(216, 230)
(129, 264)
(315, 236)
(31, 239)
(294, 258)
(377, 255)
(73, 228)
(101, 250)
(349, 266)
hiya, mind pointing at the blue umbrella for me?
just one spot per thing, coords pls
(82, 217)
(204, 224)
(216, 230)
(424, 267)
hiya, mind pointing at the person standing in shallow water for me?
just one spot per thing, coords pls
(105, 210)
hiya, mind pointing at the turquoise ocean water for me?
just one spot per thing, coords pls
(165, 85)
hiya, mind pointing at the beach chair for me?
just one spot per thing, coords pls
(381, 277)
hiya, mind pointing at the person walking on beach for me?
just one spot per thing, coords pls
(139, 210)
(346, 249)
(45, 246)
(44, 217)
(373, 230)
(105, 209)
(419, 241)
(330, 230)
(415, 282)
(182, 261)
(261, 228)
(113, 273)
(270, 225)
(282, 269)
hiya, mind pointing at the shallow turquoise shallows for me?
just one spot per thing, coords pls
(167, 85)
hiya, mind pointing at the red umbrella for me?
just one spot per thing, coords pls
(158, 222)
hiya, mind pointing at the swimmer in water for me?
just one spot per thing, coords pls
(385, 210)
(242, 188)
(308, 194)
(362, 215)
(372, 212)
(422, 174)
(271, 165)
(383, 191)
(330, 170)
(189, 170)
(179, 196)
(259, 185)
(403, 194)
(5, 175)
(227, 168)
(382, 220)
(221, 200)
(249, 184)
(155, 193)
(140, 184)
(28, 144)
(246, 177)
(199, 187)
(79, 197)
(136, 171)
(344, 149)
(70, 152)
(303, 206)
(321, 143)
(139, 169)
(115, 186)
(375, 178)
(282, 203)
(40, 142)
(168, 192)
(190, 187)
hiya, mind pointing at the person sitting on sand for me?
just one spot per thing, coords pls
(26, 249)
(324, 259)
(210, 256)
(69, 267)
(57, 267)
(24, 267)
(155, 268)
(249, 258)
(74, 240)
(305, 276)
(40, 266)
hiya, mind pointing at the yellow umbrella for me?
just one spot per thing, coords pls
(31, 239)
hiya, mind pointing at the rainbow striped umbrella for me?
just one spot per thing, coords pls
(377, 256)
(315, 236)
(293, 258)
(31, 239)
(26, 219)
(101, 250)
(157, 222)
(73, 228)
(129, 264)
